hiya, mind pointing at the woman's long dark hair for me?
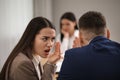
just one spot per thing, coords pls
(70, 16)
(25, 43)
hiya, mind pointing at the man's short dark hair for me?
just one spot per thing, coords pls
(93, 21)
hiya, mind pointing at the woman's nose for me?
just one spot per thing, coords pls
(49, 43)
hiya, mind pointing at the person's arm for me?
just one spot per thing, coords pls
(49, 71)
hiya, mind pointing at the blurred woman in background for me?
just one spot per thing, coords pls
(68, 32)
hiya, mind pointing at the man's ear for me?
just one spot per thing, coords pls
(75, 23)
(81, 38)
(108, 34)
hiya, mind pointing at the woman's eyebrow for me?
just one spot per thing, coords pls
(48, 37)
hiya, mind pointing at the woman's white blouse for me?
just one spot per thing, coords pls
(66, 44)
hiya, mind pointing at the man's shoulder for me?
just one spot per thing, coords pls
(78, 50)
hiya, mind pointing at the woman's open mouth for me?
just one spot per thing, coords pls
(47, 51)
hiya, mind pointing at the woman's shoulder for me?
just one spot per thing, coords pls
(21, 57)
(21, 65)
(20, 60)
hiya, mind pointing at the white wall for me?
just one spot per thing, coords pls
(43, 8)
(14, 17)
(109, 8)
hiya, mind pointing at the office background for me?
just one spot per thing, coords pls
(15, 15)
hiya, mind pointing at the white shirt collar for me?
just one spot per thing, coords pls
(37, 59)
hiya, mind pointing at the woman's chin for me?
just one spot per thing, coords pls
(45, 55)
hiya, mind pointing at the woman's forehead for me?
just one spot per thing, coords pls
(47, 31)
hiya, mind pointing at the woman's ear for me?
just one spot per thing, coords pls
(108, 34)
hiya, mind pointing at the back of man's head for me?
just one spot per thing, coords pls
(93, 22)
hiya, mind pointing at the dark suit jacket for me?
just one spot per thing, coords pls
(100, 60)
(22, 68)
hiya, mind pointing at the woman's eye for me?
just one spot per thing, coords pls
(44, 39)
(67, 24)
(53, 40)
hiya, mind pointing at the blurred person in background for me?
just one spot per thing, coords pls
(68, 32)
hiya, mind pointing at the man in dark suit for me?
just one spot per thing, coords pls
(98, 58)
